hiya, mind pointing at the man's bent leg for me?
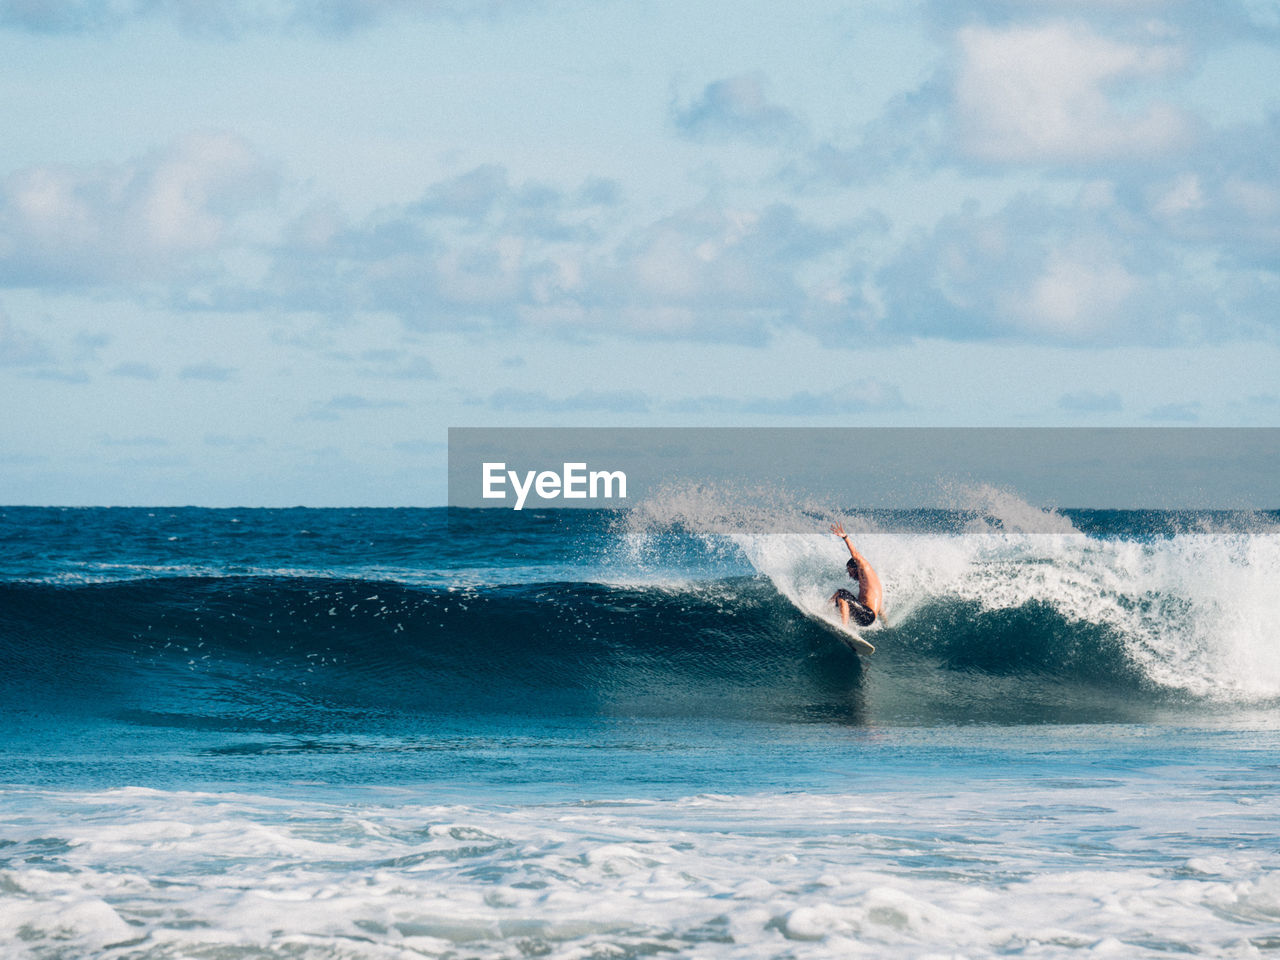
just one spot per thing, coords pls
(843, 606)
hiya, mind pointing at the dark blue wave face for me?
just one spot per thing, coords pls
(308, 654)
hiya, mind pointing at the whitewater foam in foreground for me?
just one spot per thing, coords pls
(1076, 865)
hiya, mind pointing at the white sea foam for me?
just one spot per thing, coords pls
(1196, 612)
(1139, 867)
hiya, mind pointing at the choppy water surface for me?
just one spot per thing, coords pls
(371, 733)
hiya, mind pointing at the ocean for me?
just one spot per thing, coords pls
(367, 733)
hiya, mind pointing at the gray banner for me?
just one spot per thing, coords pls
(868, 468)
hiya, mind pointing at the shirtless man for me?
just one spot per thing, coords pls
(869, 603)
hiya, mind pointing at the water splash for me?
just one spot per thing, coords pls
(1192, 611)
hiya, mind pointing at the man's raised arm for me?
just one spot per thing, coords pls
(838, 530)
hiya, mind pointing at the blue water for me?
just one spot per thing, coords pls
(371, 733)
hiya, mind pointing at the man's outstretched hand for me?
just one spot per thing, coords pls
(838, 529)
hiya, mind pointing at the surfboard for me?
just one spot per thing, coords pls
(847, 635)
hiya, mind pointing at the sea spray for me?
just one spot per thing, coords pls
(1191, 611)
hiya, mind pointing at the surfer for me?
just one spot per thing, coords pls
(869, 602)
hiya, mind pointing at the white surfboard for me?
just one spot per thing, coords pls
(848, 635)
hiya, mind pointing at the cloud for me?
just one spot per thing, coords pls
(1176, 412)
(156, 217)
(1063, 87)
(20, 347)
(1034, 93)
(736, 108)
(1221, 22)
(470, 196)
(23, 459)
(88, 343)
(135, 371)
(1086, 272)
(480, 251)
(352, 401)
(1088, 401)
(912, 133)
(57, 375)
(484, 198)
(419, 447)
(62, 16)
(867, 396)
(145, 464)
(472, 251)
(537, 401)
(1121, 262)
(210, 372)
(1224, 195)
(228, 441)
(1175, 239)
(396, 365)
(1056, 86)
(712, 256)
(337, 406)
(716, 272)
(599, 192)
(138, 441)
(22, 350)
(233, 18)
(1174, 249)
(1179, 249)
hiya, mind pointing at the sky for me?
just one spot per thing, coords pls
(266, 253)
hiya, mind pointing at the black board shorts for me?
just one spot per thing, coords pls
(862, 615)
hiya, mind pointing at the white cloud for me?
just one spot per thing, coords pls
(135, 371)
(19, 347)
(337, 407)
(1148, 251)
(736, 108)
(473, 250)
(1046, 93)
(708, 272)
(1183, 195)
(1188, 412)
(1223, 198)
(538, 401)
(232, 18)
(1088, 272)
(699, 255)
(1089, 401)
(1255, 200)
(716, 256)
(482, 251)
(1076, 296)
(147, 219)
(211, 372)
(395, 364)
(859, 397)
